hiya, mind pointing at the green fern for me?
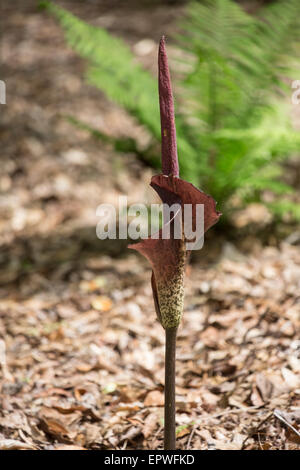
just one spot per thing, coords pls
(235, 87)
(233, 129)
(112, 68)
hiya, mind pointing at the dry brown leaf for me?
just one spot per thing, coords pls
(101, 303)
(291, 379)
(256, 398)
(154, 398)
(210, 399)
(183, 432)
(264, 386)
(13, 444)
(150, 424)
(130, 434)
(210, 337)
(56, 424)
(55, 429)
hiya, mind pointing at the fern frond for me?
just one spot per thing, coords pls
(112, 68)
(285, 207)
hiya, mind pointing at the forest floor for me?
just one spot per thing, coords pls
(81, 354)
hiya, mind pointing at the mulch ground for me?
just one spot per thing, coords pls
(80, 350)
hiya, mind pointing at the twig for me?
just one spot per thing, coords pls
(278, 415)
(191, 437)
(156, 434)
(249, 409)
(256, 429)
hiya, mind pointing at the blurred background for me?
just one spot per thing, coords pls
(81, 353)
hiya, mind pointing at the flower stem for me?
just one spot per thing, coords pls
(170, 362)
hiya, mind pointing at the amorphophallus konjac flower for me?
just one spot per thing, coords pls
(168, 256)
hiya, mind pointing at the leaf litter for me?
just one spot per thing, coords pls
(81, 353)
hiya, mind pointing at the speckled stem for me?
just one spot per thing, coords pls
(170, 369)
(171, 298)
(170, 293)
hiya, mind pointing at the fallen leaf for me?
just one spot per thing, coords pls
(150, 425)
(291, 379)
(101, 303)
(154, 398)
(12, 444)
(131, 434)
(210, 337)
(256, 398)
(264, 386)
(210, 399)
(57, 424)
(109, 388)
(183, 430)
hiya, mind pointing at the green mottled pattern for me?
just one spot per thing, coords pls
(171, 296)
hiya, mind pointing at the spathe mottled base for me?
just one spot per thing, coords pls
(168, 256)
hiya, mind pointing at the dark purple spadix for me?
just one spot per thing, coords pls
(168, 131)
